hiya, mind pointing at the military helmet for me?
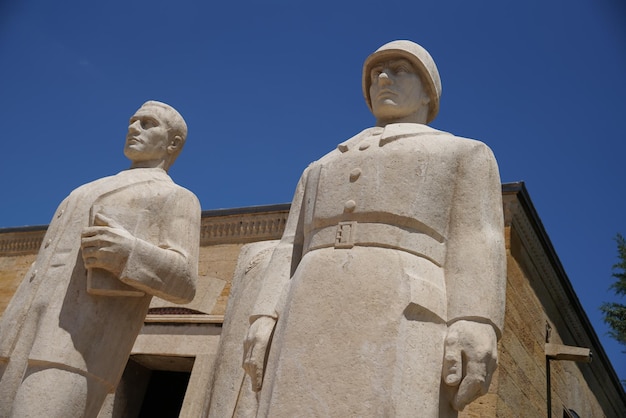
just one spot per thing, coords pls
(421, 60)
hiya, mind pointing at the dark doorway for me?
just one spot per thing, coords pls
(165, 394)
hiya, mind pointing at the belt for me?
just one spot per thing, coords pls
(348, 234)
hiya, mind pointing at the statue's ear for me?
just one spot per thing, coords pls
(175, 145)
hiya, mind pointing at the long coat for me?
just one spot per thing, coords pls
(53, 319)
(394, 235)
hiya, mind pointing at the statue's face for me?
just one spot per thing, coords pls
(396, 90)
(147, 137)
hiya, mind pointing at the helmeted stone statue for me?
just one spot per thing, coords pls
(385, 296)
(111, 245)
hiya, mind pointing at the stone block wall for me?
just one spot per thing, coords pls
(13, 268)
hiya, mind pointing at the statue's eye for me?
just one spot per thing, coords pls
(147, 123)
(401, 69)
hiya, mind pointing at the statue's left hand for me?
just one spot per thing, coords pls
(470, 358)
(255, 349)
(106, 245)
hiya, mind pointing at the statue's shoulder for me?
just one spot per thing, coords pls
(186, 194)
(471, 151)
(474, 145)
(176, 191)
(88, 187)
(462, 142)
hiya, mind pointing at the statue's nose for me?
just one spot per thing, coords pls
(383, 78)
(134, 126)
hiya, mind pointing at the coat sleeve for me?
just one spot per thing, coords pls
(475, 265)
(284, 260)
(169, 268)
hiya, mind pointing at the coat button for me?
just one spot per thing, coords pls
(349, 206)
(355, 174)
(364, 146)
(60, 213)
(47, 244)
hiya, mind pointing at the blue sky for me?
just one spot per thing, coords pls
(267, 87)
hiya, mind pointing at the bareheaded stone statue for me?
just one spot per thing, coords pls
(111, 245)
(385, 296)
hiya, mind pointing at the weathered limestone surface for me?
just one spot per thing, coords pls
(392, 259)
(111, 245)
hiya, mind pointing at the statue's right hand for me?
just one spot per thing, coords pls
(255, 348)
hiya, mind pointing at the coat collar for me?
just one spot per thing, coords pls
(388, 134)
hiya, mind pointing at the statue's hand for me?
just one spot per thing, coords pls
(470, 358)
(106, 245)
(255, 348)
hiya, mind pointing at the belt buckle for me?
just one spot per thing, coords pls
(346, 232)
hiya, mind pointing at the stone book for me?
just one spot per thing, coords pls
(100, 281)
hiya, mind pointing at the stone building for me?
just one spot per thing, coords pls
(543, 368)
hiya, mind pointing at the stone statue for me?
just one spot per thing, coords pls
(111, 245)
(230, 391)
(385, 295)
